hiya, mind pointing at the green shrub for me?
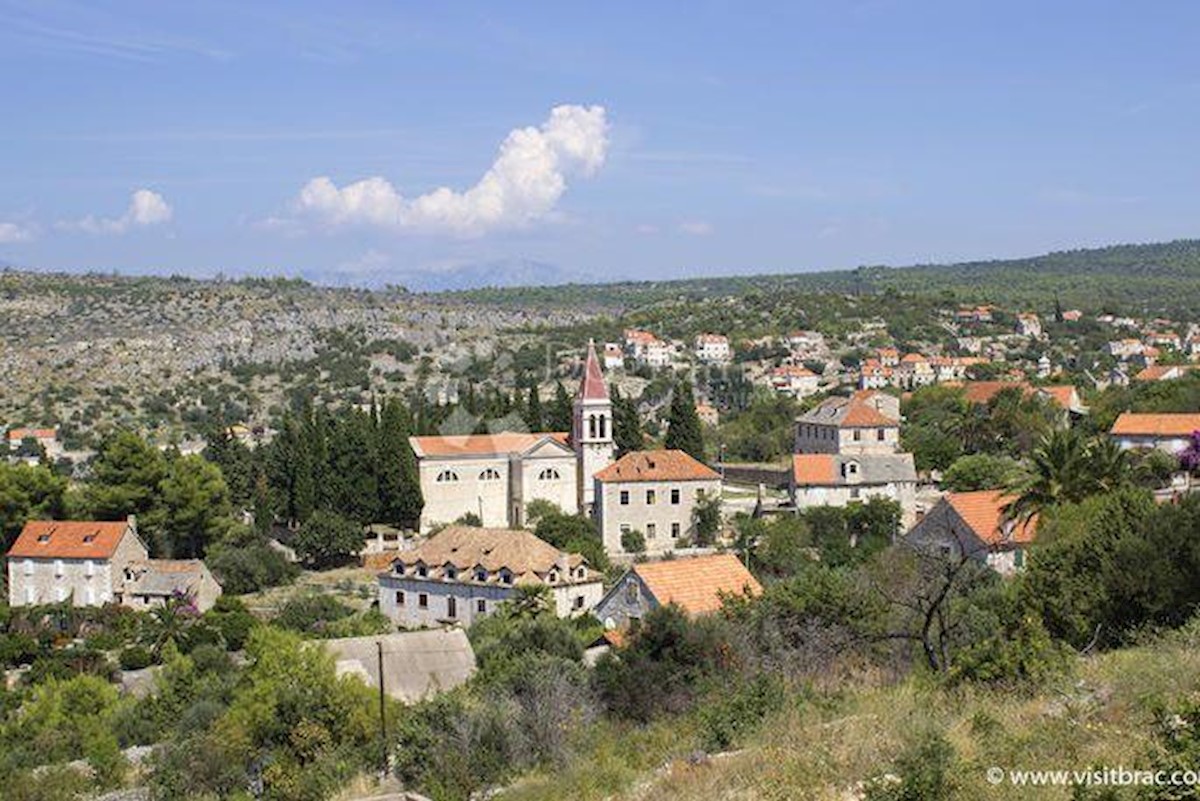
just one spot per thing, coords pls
(739, 711)
(633, 541)
(136, 657)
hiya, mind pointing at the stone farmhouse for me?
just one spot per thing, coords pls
(463, 573)
(495, 476)
(655, 493)
(713, 349)
(92, 563)
(697, 585)
(976, 525)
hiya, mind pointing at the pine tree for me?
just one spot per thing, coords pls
(534, 416)
(627, 423)
(683, 432)
(561, 410)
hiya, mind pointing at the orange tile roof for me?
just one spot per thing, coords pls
(982, 392)
(983, 512)
(864, 414)
(18, 434)
(792, 371)
(504, 442)
(1157, 372)
(68, 539)
(1156, 425)
(696, 584)
(1064, 395)
(660, 465)
(813, 468)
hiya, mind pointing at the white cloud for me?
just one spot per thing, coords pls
(11, 233)
(523, 184)
(145, 208)
(696, 228)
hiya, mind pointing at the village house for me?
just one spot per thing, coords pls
(872, 374)
(496, 476)
(1124, 348)
(866, 422)
(645, 348)
(1028, 325)
(1072, 316)
(614, 357)
(1163, 372)
(794, 380)
(975, 525)
(1164, 339)
(806, 343)
(913, 372)
(978, 314)
(1167, 432)
(696, 585)
(92, 563)
(713, 349)
(708, 414)
(827, 479)
(655, 493)
(463, 573)
(46, 438)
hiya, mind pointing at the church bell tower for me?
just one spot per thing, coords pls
(591, 428)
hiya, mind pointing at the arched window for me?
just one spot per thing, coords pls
(446, 475)
(592, 426)
(603, 421)
(491, 474)
(549, 474)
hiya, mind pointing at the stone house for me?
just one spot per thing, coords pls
(1167, 432)
(825, 479)
(655, 493)
(92, 563)
(866, 422)
(697, 585)
(975, 524)
(712, 349)
(795, 380)
(463, 573)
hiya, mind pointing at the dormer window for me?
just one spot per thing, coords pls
(580, 573)
(398, 568)
(43, 538)
(422, 571)
(506, 577)
(451, 573)
(481, 574)
(552, 577)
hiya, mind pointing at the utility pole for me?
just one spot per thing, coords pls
(383, 748)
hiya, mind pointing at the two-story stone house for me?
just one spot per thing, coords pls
(92, 563)
(865, 422)
(655, 493)
(697, 585)
(463, 573)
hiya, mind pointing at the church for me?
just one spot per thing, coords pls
(496, 476)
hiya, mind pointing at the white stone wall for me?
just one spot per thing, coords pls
(562, 491)
(903, 492)
(447, 501)
(88, 582)
(1168, 444)
(638, 514)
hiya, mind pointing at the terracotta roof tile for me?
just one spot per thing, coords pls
(660, 465)
(1156, 425)
(813, 468)
(696, 584)
(983, 512)
(502, 443)
(493, 548)
(68, 539)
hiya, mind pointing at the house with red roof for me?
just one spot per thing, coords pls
(654, 493)
(92, 563)
(1165, 431)
(697, 585)
(975, 525)
(829, 479)
(495, 476)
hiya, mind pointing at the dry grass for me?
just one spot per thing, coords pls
(354, 586)
(1103, 715)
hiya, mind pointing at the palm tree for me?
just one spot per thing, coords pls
(1060, 474)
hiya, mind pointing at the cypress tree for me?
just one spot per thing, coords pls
(683, 432)
(627, 424)
(399, 483)
(561, 411)
(534, 416)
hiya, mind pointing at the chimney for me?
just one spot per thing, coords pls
(131, 520)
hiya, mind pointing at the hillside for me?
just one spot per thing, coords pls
(831, 742)
(1147, 278)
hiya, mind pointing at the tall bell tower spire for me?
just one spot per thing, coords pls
(591, 428)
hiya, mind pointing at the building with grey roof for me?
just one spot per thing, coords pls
(416, 664)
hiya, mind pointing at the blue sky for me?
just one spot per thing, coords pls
(706, 138)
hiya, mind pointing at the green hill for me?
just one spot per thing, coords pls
(1161, 278)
